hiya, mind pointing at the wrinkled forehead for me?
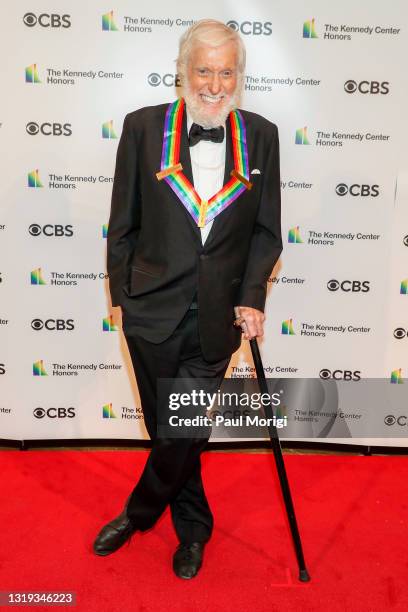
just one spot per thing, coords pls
(214, 57)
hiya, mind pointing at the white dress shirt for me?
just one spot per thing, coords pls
(208, 165)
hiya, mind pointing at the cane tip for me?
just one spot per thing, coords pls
(304, 575)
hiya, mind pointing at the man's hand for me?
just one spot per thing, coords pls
(251, 321)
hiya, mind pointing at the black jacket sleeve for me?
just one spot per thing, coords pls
(124, 221)
(266, 243)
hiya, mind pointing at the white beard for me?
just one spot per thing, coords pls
(198, 112)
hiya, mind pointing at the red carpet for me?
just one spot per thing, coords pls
(352, 513)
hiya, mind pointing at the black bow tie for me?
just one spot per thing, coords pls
(198, 133)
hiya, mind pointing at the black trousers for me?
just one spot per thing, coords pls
(172, 474)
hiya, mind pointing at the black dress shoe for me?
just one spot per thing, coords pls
(188, 559)
(114, 535)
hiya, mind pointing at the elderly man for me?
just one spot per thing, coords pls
(194, 233)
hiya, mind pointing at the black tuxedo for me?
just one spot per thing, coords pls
(156, 262)
(157, 266)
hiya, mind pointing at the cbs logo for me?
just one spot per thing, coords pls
(357, 190)
(340, 374)
(49, 129)
(400, 333)
(367, 87)
(405, 240)
(2, 368)
(54, 413)
(47, 20)
(169, 80)
(51, 230)
(53, 324)
(354, 286)
(255, 28)
(390, 419)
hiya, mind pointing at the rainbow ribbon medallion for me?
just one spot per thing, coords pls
(202, 211)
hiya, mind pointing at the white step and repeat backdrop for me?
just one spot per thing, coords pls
(331, 76)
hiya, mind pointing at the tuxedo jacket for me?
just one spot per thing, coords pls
(156, 261)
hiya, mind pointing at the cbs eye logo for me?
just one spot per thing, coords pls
(325, 374)
(39, 413)
(32, 128)
(367, 87)
(47, 20)
(341, 189)
(400, 333)
(154, 79)
(34, 229)
(405, 240)
(234, 25)
(333, 285)
(37, 324)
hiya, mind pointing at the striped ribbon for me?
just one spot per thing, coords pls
(202, 211)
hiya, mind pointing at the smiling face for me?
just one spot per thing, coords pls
(211, 87)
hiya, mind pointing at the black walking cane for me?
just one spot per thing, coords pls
(280, 465)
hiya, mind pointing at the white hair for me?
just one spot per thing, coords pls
(208, 32)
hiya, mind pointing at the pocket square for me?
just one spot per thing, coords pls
(255, 171)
